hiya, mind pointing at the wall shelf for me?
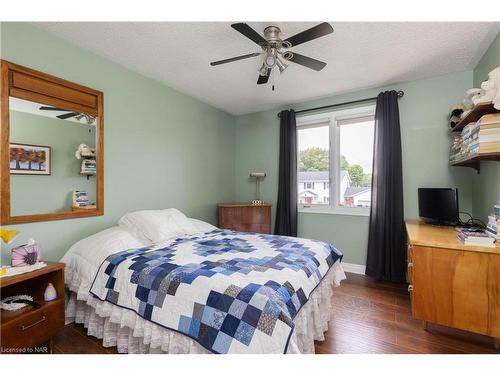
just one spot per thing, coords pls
(88, 175)
(474, 161)
(475, 114)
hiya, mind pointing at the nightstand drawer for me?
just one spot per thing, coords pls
(34, 327)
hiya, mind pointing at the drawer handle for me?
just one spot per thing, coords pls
(410, 288)
(24, 328)
(410, 265)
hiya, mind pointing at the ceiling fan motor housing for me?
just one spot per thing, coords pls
(274, 44)
(272, 34)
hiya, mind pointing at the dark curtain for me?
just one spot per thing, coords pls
(387, 235)
(286, 210)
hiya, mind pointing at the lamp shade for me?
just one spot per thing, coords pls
(8, 235)
(258, 174)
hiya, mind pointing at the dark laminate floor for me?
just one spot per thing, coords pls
(368, 317)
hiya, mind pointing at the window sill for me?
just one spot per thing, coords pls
(337, 211)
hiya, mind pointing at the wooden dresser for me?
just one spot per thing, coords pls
(245, 217)
(28, 330)
(452, 284)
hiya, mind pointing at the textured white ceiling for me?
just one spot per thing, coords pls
(359, 55)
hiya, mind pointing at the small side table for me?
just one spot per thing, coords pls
(25, 330)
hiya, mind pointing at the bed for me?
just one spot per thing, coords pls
(163, 283)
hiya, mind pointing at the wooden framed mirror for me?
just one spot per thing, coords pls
(51, 147)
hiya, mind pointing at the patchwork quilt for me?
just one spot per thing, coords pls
(232, 292)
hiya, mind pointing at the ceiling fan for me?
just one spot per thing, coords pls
(77, 115)
(276, 50)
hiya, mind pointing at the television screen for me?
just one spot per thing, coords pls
(438, 205)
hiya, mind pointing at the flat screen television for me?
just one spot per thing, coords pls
(438, 205)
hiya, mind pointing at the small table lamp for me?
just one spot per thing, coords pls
(258, 176)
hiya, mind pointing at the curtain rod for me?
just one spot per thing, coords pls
(400, 95)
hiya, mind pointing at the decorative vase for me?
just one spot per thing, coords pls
(50, 293)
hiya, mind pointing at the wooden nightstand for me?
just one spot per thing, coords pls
(24, 330)
(245, 217)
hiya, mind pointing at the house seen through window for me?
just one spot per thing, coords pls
(335, 155)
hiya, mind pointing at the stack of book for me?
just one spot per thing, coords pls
(456, 148)
(488, 139)
(80, 198)
(477, 137)
(470, 140)
(493, 227)
(88, 166)
(476, 238)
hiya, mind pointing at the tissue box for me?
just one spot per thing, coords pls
(25, 255)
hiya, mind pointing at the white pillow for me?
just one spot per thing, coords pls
(202, 226)
(158, 225)
(84, 257)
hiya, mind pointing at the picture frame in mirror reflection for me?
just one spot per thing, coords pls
(26, 159)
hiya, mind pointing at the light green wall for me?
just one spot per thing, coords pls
(489, 61)
(34, 194)
(166, 149)
(162, 148)
(486, 185)
(425, 141)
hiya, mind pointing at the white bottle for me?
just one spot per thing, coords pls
(50, 293)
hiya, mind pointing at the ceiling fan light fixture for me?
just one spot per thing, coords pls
(281, 65)
(270, 60)
(263, 70)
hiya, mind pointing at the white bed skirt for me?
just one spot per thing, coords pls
(130, 333)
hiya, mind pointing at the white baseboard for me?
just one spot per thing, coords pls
(354, 268)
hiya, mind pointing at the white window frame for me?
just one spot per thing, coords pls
(332, 119)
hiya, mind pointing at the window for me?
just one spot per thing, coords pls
(313, 162)
(335, 154)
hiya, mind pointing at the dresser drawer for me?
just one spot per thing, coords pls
(33, 327)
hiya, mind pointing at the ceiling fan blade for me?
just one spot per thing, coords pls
(314, 32)
(264, 79)
(249, 32)
(43, 108)
(68, 115)
(234, 59)
(307, 61)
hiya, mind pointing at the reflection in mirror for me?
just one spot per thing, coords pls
(52, 159)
